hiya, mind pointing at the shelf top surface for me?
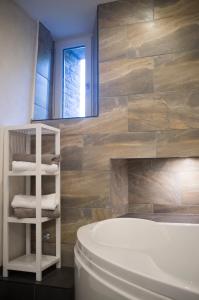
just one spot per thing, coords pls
(30, 129)
(27, 263)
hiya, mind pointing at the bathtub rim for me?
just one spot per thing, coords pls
(138, 278)
(88, 266)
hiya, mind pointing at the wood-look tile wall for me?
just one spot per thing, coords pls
(149, 107)
(164, 185)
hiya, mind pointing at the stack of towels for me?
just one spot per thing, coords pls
(24, 206)
(27, 162)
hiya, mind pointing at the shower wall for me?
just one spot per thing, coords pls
(149, 86)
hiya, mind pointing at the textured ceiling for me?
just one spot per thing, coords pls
(64, 18)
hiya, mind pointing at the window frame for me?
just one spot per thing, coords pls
(60, 46)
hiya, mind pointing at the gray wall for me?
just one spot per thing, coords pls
(17, 52)
(44, 75)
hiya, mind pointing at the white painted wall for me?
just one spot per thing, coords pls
(17, 52)
(1, 190)
(18, 34)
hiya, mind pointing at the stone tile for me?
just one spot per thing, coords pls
(73, 219)
(85, 215)
(147, 112)
(189, 185)
(178, 143)
(136, 164)
(67, 253)
(174, 165)
(167, 8)
(123, 12)
(164, 110)
(183, 108)
(140, 208)
(152, 187)
(112, 118)
(85, 188)
(164, 183)
(163, 36)
(176, 71)
(175, 209)
(119, 186)
(71, 152)
(48, 144)
(165, 217)
(126, 76)
(113, 43)
(48, 185)
(73, 201)
(113, 115)
(99, 149)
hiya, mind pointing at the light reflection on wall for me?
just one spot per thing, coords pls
(164, 185)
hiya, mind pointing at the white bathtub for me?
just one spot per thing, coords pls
(121, 259)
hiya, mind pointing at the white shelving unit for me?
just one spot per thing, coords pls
(18, 139)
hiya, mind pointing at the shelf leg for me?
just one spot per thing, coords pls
(58, 242)
(39, 276)
(5, 272)
(57, 191)
(38, 206)
(28, 239)
(6, 206)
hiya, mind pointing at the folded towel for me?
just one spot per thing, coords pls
(31, 213)
(22, 166)
(49, 202)
(47, 159)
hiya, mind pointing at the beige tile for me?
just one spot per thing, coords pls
(167, 8)
(123, 12)
(112, 118)
(99, 149)
(149, 187)
(140, 208)
(178, 143)
(85, 188)
(71, 152)
(176, 71)
(113, 43)
(119, 186)
(126, 76)
(173, 209)
(147, 112)
(163, 36)
(67, 253)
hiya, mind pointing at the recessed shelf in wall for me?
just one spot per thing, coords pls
(27, 220)
(27, 263)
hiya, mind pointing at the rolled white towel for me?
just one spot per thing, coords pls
(22, 166)
(49, 202)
